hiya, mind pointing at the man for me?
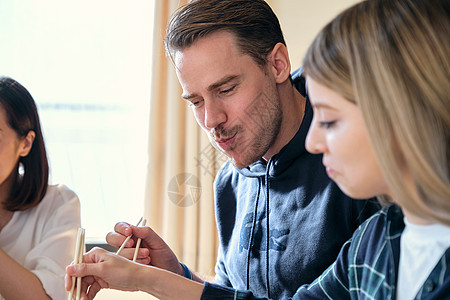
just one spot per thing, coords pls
(281, 220)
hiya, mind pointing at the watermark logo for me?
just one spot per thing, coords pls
(184, 189)
(210, 159)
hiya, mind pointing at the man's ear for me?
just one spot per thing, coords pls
(280, 63)
(27, 143)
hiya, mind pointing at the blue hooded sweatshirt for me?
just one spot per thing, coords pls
(281, 223)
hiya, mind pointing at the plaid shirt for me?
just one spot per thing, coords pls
(366, 267)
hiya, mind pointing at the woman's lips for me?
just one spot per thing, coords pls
(330, 171)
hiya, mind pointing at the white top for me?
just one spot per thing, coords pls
(43, 238)
(421, 247)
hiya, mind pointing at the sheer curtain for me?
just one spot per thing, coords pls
(179, 203)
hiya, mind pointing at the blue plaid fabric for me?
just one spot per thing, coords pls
(366, 267)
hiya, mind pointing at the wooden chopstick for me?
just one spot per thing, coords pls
(128, 238)
(78, 258)
(138, 243)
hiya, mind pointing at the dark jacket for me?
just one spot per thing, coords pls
(291, 200)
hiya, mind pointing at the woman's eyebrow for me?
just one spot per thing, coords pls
(319, 105)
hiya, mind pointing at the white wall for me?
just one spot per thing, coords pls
(301, 20)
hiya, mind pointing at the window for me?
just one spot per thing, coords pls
(88, 66)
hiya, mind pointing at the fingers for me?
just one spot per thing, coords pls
(93, 290)
(67, 282)
(127, 253)
(89, 287)
(81, 270)
(87, 267)
(150, 239)
(142, 259)
(86, 282)
(122, 230)
(89, 284)
(143, 254)
(92, 286)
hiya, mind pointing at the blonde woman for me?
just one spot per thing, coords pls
(379, 82)
(378, 78)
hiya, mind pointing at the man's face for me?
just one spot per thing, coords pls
(233, 99)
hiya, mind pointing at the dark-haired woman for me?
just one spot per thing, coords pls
(38, 222)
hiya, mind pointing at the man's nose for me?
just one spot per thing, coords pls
(214, 114)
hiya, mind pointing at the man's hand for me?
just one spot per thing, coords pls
(153, 250)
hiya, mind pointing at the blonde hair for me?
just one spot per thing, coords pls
(392, 59)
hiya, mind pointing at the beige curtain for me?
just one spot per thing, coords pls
(179, 203)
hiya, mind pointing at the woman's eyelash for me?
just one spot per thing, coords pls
(327, 125)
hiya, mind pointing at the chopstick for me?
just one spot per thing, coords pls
(78, 258)
(138, 243)
(128, 238)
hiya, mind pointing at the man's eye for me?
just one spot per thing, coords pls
(227, 90)
(327, 125)
(194, 103)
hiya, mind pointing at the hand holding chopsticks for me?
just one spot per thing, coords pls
(80, 249)
(128, 238)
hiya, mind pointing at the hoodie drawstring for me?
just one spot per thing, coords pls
(252, 234)
(267, 229)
